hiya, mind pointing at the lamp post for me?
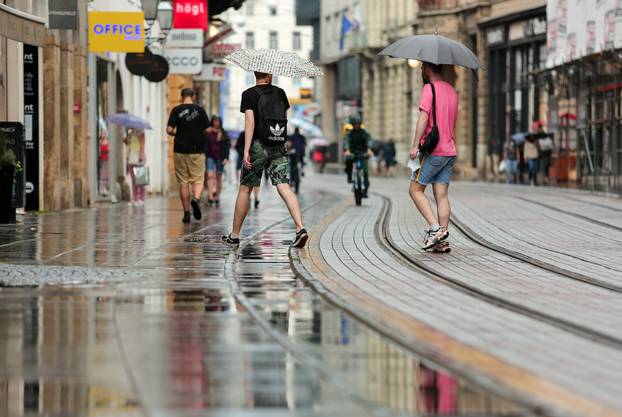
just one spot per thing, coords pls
(165, 16)
(150, 8)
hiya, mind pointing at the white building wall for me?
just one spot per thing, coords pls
(143, 99)
(255, 17)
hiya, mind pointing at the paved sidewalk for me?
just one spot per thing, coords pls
(524, 354)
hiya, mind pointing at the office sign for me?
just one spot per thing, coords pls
(116, 32)
(184, 60)
(190, 14)
(185, 38)
(31, 125)
(212, 72)
(63, 14)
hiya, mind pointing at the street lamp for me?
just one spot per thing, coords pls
(150, 8)
(414, 63)
(165, 16)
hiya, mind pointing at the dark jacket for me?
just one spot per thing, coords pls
(225, 146)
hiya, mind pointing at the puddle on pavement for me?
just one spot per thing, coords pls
(181, 345)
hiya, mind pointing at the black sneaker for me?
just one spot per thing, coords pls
(186, 218)
(350, 179)
(365, 195)
(229, 241)
(301, 239)
(256, 204)
(196, 209)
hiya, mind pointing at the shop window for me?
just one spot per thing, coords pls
(250, 40)
(297, 41)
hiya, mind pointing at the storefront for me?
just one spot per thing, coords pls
(516, 49)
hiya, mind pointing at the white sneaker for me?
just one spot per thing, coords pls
(432, 238)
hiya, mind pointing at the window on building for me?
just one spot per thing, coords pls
(250, 40)
(249, 8)
(272, 10)
(274, 40)
(297, 42)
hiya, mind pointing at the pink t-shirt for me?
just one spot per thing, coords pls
(446, 113)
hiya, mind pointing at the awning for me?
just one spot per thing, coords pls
(21, 27)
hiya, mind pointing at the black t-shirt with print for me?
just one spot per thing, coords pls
(191, 122)
(250, 100)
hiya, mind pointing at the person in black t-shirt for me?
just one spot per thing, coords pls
(189, 123)
(259, 156)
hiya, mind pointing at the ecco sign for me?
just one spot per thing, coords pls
(184, 61)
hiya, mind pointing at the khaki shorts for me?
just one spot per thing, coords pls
(189, 168)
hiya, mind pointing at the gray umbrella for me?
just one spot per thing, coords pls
(434, 49)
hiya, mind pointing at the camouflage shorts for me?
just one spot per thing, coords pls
(272, 159)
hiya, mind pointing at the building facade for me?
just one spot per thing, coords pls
(382, 90)
(264, 24)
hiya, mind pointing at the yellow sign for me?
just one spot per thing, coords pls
(116, 32)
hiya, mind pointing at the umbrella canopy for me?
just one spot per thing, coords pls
(275, 62)
(129, 121)
(519, 137)
(318, 142)
(307, 128)
(434, 49)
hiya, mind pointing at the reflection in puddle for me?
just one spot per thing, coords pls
(376, 368)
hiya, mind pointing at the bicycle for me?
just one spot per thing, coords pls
(294, 172)
(357, 184)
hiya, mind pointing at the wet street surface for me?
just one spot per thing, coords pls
(121, 311)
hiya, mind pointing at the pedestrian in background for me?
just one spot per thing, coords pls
(377, 150)
(389, 158)
(265, 114)
(438, 107)
(239, 148)
(299, 146)
(545, 145)
(217, 156)
(532, 156)
(135, 141)
(511, 157)
(188, 122)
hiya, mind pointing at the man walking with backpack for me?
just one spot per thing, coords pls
(188, 122)
(434, 143)
(265, 112)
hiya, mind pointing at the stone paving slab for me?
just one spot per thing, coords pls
(349, 261)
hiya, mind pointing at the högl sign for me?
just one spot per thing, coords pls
(190, 14)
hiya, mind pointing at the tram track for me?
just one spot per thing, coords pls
(385, 239)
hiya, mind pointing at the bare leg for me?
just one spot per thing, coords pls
(184, 194)
(256, 192)
(441, 195)
(241, 209)
(417, 193)
(197, 190)
(210, 184)
(291, 202)
(218, 185)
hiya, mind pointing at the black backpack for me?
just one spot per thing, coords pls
(271, 120)
(431, 140)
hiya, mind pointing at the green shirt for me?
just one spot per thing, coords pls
(357, 141)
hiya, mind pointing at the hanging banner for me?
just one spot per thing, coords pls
(31, 126)
(578, 28)
(184, 60)
(63, 14)
(190, 14)
(116, 32)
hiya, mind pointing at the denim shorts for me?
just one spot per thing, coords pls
(214, 165)
(434, 170)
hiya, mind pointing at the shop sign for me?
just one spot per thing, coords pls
(306, 93)
(495, 35)
(159, 69)
(63, 14)
(139, 63)
(190, 14)
(212, 72)
(31, 123)
(13, 133)
(220, 50)
(116, 32)
(185, 38)
(184, 60)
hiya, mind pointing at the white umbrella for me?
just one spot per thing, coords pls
(275, 62)
(307, 127)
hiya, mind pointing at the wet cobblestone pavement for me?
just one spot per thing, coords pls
(143, 316)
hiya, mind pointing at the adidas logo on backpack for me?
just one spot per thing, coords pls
(272, 117)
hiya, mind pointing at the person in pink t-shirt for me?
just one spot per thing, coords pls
(436, 168)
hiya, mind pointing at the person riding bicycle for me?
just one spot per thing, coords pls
(357, 142)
